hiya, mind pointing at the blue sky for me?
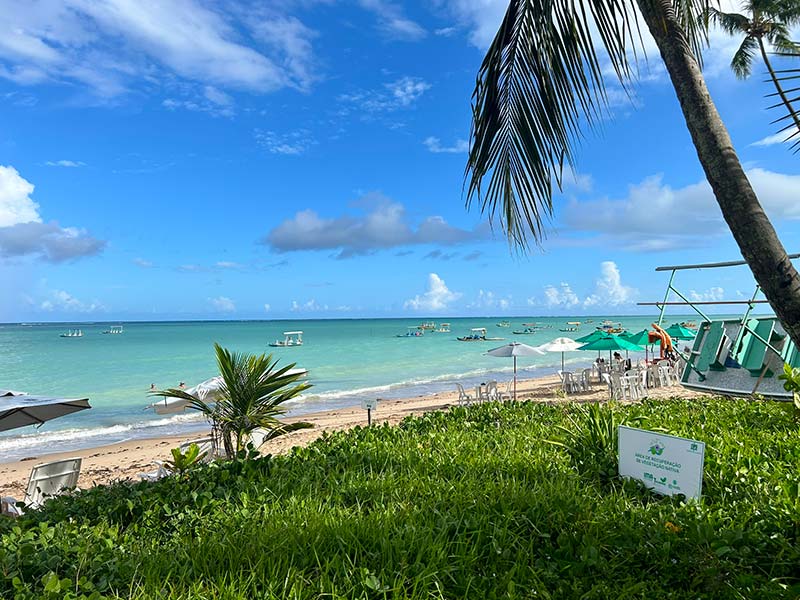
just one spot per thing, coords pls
(200, 159)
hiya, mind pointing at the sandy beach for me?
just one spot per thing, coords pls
(124, 461)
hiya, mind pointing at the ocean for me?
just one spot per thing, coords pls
(347, 360)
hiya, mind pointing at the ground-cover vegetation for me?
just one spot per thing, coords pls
(473, 503)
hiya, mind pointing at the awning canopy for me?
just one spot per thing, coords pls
(20, 410)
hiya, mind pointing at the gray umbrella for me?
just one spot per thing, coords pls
(515, 349)
(18, 409)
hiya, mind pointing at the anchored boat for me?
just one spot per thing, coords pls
(290, 339)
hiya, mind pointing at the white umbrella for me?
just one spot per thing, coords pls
(18, 409)
(206, 391)
(515, 349)
(562, 344)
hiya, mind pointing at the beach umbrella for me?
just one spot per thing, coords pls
(207, 391)
(18, 409)
(610, 343)
(595, 335)
(678, 332)
(515, 349)
(640, 338)
(562, 344)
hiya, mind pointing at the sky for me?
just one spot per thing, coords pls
(200, 159)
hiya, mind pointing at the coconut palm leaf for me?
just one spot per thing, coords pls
(540, 86)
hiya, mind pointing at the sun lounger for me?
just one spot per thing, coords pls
(46, 480)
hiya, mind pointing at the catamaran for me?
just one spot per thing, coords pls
(504, 324)
(114, 330)
(735, 356)
(291, 338)
(72, 333)
(443, 328)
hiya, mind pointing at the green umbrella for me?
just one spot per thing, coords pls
(639, 338)
(595, 335)
(678, 332)
(610, 343)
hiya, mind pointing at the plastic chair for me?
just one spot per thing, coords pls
(46, 480)
(463, 396)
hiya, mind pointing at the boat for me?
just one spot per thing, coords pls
(526, 331)
(568, 329)
(740, 357)
(72, 333)
(427, 325)
(114, 330)
(478, 335)
(504, 324)
(412, 332)
(291, 338)
(689, 324)
(589, 321)
(443, 328)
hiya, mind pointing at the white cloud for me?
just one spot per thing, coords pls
(395, 95)
(713, 294)
(199, 105)
(384, 224)
(309, 306)
(267, 307)
(59, 300)
(292, 143)
(228, 264)
(481, 19)
(434, 145)
(22, 232)
(487, 299)
(437, 297)
(223, 304)
(145, 264)
(393, 22)
(65, 163)
(779, 138)
(609, 290)
(445, 31)
(656, 217)
(16, 205)
(561, 295)
(107, 44)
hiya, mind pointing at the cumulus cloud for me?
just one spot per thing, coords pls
(22, 232)
(223, 304)
(655, 216)
(437, 297)
(308, 306)
(609, 290)
(434, 145)
(107, 45)
(790, 136)
(488, 300)
(267, 307)
(59, 300)
(145, 264)
(481, 19)
(384, 224)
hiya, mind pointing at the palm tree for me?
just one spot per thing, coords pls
(251, 396)
(766, 19)
(541, 85)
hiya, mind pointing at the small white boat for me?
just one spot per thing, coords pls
(443, 328)
(114, 330)
(290, 338)
(72, 333)
(412, 332)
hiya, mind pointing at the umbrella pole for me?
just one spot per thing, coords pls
(562, 360)
(515, 379)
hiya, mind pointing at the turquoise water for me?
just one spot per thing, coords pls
(347, 360)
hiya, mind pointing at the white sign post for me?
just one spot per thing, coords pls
(369, 405)
(667, 464)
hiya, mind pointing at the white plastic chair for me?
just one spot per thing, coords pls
(463, 396)
(586, 380)
(569, 383)
(46, 480)
(491, 391)
(208, 448)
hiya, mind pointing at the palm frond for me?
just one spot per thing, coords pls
(742, 61)
(540, 86)
(730, 23)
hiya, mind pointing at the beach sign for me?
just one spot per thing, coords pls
(666, 464)
(369, 404)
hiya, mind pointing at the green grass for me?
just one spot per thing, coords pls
(473, 503)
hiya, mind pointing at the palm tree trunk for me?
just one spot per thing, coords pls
(778, 87)
(752, 230)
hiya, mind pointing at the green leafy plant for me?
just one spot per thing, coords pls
(791, 382)
(184, 461)
(251, 397)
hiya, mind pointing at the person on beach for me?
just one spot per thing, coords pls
(182, 385)
(152, 386)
